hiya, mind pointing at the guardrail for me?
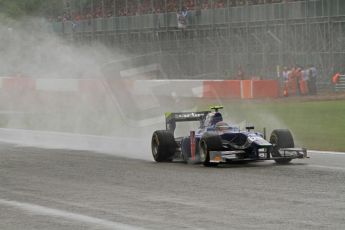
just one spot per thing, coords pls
(340, 85)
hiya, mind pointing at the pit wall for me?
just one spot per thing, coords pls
(227, 89)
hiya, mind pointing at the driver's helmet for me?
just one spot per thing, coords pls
(213, 118)
(222, 126)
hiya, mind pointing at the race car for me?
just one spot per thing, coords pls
(215, 141)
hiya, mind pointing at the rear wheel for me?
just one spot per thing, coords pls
(281, 138)
(209, 143)
(163, 146)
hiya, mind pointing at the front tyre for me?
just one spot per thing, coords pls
(207, 144)
(281, 138)
(163, 146)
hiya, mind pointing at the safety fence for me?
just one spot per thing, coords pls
(217, 41)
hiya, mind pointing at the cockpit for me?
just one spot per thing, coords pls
(222, 126)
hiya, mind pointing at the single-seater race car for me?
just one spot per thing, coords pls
(215, 141)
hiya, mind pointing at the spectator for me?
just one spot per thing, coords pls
(312, 80)
(182, 18)
(74, 26)
(299, 78)
(291, 86)
(304, 86)
(184, 12)
(285, 74)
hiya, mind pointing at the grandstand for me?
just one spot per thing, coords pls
(110, 8)
(220, 35)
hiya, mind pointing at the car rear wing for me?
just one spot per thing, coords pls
(172, 118)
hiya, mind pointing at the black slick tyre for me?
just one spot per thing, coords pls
(163, 146)
(209, 142)
(281, 138)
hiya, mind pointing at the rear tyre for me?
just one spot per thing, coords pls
(163, 146)
(281, 138)
(209, 142)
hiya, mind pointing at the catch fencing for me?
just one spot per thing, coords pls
(217, 42)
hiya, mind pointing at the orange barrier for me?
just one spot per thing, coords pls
(222, 89)
(91, 85)
(265, 89)
(18, 84)
(285, 89)
(246, 89)
(18, 90)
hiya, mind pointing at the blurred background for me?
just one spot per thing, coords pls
(214, 38)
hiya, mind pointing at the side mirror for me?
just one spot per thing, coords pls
(249, 128)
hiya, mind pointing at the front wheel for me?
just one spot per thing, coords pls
(281, 138)
(207, 144)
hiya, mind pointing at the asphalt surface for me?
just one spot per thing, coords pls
(65, 189)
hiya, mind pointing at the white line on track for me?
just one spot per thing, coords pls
(326, 152)
(327, 167)
(119, 146)
(45, 211)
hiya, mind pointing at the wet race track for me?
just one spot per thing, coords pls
(68, 189)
